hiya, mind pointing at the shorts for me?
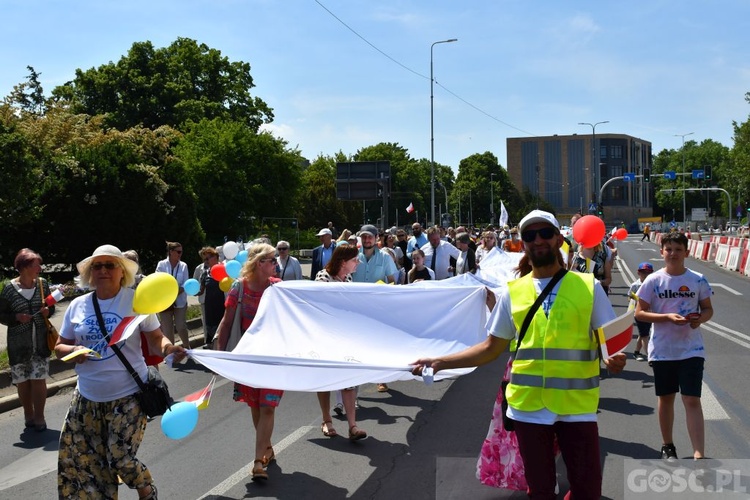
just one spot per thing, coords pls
(256, 398)
(684, 376)
(36, 368)
(644, 328)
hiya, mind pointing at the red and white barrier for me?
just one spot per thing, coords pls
(733, 259)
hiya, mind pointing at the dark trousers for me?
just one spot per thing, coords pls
(579, 446)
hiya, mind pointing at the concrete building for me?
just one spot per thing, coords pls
(558, 169)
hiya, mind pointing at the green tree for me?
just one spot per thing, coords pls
(475, 173)
(238, 174)
(28, 96)
(167, 86)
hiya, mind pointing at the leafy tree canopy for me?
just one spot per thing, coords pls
(167, 86)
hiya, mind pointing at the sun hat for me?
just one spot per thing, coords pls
(646, 266)
(538, 216)
(108, 251)
(323, 231)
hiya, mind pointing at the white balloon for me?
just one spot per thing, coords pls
(231, 249)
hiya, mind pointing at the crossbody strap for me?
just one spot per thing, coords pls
(114, 347)
(530, 315)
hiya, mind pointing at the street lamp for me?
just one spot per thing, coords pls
(432, 132)
(684, 214)
(492, 200)
(594, 159)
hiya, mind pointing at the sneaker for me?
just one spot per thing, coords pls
(338, 409)
(636, 354)
(641, 357)
(668, 452)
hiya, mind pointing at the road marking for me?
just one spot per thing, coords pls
(712, 410)
(730, 290)
(245, 470)
(37, 463)
(729, 334)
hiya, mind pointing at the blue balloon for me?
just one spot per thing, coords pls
(241, 257)
(191, 287)
(179, 420)
(233, 268)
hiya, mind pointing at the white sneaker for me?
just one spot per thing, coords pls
(338, 409)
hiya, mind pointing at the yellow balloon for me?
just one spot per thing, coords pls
(155, 293)
(225, 284)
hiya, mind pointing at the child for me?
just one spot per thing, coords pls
(676, 300)
(419, 272)
(644, 327)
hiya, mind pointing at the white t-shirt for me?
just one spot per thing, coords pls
(681, 294)
(106, 379)
(500, 324)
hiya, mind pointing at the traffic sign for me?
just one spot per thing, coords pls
(697, 173)
(628, 177)
(592, 207)
(670, 174)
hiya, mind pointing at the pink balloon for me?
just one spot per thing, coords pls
(589, 231)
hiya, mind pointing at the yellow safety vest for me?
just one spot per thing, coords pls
(557, 364)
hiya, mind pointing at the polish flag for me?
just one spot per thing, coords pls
(125, 329)
(615, 335)
(201, 398)
(410, 208)
(54, 297)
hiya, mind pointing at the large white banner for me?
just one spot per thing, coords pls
(311, 336)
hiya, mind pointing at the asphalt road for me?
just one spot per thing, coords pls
(424, 440)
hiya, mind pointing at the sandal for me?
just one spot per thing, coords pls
(270, 458)
(356, 435)
(152, 495)
(382, 387)
(259, 473)
(29, 423)
(328, 430)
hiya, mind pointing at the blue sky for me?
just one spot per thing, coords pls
(652, 68)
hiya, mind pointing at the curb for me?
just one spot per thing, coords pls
(70, 379)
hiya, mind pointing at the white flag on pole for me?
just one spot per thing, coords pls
(503, 215)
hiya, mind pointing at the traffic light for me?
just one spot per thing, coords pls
(599, 209)
(646, 175)
(707, 172)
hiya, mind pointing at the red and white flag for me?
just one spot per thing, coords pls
(201, 398)
(410, 208)
(615, 335)
(125, 329)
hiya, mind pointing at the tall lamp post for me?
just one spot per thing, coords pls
(492, 199)
(684, 213)
(432, 132)
(594, 159)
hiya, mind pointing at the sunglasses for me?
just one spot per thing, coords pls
(546, 233)
(177, 251)
(283, 248)
(97, 266)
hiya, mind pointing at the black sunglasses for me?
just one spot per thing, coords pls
(546, 233)
(97, 266)
(283, 248)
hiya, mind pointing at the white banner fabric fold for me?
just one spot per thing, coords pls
(310, 336)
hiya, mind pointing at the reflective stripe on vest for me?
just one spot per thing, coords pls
(557, 366)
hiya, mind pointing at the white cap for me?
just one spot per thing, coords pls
(538, 216)
(324, 231)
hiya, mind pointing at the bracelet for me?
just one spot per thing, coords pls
(164, 351)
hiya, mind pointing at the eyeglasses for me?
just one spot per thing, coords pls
(97, 266)
(177, 251)
(274, 260)
(546, 233)
(283, 248)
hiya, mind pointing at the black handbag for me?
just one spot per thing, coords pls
(154, 395)
(508, 423)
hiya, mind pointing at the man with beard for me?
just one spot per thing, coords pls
(374, 265)
(417, 240)
(553, 391)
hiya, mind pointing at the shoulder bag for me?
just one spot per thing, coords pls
(235, 333)
(508, 422)
(52, 333)
(154, 395)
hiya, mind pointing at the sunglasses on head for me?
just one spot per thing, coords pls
(546, 233)
(97, 266)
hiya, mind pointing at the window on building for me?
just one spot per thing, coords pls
(616, 170)
(618, 193)
(615, 152)
(602, 151)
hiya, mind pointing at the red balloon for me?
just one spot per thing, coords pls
(621, 233)
(218, 272)
(589, 231)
